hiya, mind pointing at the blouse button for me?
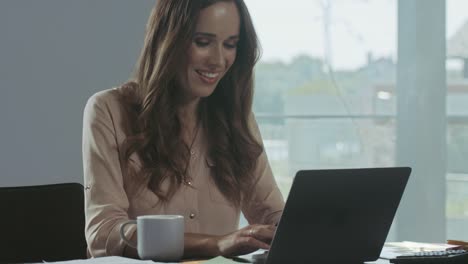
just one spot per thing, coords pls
(192, 216)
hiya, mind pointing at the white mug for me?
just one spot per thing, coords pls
(160, 237)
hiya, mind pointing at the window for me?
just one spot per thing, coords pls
(326, 96)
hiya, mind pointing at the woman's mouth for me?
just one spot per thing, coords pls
(208, 77)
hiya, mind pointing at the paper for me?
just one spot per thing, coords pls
(219, 260)
(123, 260)
(394, 249)
(239, 259)
(108, 260)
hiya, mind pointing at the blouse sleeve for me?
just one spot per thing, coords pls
(106, 202)
(267, 203)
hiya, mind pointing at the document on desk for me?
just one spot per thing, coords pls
(109, 260)
(395, 249)
(223, 260)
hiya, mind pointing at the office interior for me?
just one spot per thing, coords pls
(341, 84)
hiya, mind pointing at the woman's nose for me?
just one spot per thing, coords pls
(216, 57)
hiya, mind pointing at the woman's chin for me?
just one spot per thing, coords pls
(205, 91)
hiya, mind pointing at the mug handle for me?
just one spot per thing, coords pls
(122, 234)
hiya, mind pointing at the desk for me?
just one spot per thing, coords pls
(121, 260)
(379, 261)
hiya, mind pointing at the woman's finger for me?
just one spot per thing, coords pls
(261, 232)
(252, 242)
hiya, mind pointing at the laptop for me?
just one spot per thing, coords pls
(337, 216)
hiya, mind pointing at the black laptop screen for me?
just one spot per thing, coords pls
(338, 216)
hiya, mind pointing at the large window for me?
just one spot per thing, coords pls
(326, 92)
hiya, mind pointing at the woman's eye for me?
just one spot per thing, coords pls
(230, 45)
(202, 43)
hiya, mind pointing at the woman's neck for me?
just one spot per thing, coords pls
(188, 116)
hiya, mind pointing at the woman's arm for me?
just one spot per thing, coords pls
(106, 202)
(241, 242)
(267, 203)
(198, 245)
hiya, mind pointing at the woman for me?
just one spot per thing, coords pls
(181, 138)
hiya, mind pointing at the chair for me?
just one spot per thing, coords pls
(43, 222)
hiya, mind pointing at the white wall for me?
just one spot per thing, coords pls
(54, 54)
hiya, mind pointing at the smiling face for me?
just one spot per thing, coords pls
(212, 50)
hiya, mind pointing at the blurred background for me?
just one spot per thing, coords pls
(341, 84)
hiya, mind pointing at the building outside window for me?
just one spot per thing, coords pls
(326, 92)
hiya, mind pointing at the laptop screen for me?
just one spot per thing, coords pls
(338, 216)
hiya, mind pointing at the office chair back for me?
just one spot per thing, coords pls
(43, 222)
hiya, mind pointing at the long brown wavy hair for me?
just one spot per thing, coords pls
(155, 129)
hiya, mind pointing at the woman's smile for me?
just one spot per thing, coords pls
(208, 77)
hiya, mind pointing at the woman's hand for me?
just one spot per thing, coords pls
(245, 240)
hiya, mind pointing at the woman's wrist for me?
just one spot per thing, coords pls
(198, 245)
(213, 246)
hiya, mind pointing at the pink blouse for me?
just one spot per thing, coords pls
(109, 203)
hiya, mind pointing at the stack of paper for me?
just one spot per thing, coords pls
(394, 249)
(108, 260)
(122, 260)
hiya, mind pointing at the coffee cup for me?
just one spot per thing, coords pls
(159, 237)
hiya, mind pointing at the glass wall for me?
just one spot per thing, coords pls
(457, 111)
(326, 91)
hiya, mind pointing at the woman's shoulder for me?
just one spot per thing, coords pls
(113, 100)
(125, 93)
(114, 108)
